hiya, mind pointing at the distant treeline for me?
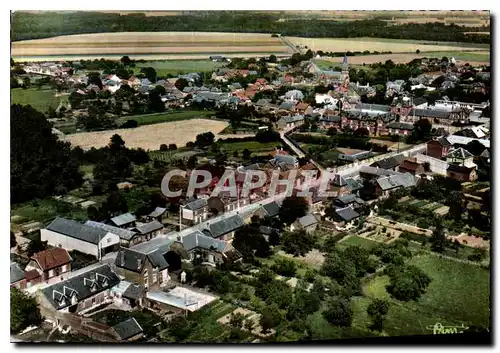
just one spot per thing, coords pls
(50, 24)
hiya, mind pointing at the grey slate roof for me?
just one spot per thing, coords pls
(262, 102)
(101, 278)
(293, 119)
(225, 225)
(147, 228)
(128, 328)
(307, 220)
(390, 162)
(375, 171)
(459, 168)
(394, 181)
(459, 153)
(199, 240)
(287, 106)
(295, 93)
(347, 214)
(123, 219)
(376, 107)
(272, 209)
(289, 160)
(443, 141)
(196, 204)
(485, 153)
(430, 113)
(419, 100)
(331, 119)
(16, 274)
(266, 230)
(157, 258)
(400, 126)
(353, 184)
(347, 199)
(122, 233)
(134, 291)
(158, 211)
(130, 259)
(338, 180)
(77, 230)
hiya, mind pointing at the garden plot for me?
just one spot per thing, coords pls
(313, 258)
(441, 211)
(249, 315)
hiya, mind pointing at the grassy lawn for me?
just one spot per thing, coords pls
(176, 67)
(148, 119)
(87, 169)
(47, 209)
(207, 328)
(39, 99)
(252, 146)
(393, 40)
(470, 56)
(355, 240)
(458, 293)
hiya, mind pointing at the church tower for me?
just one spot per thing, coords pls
(345, 72)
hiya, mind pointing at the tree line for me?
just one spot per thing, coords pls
(41, 25)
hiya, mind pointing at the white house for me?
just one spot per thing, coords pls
(72, 235)
(325, 99)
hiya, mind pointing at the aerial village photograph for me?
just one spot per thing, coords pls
(292, 176)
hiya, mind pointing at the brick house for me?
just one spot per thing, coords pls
(461, 173)
(194, 211)
(410, 165)
(438, 148)
(207, 249)
(50, 263)
(149, 270)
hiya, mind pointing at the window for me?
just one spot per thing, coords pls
(93, 301)
(155, 276)
(146, 278)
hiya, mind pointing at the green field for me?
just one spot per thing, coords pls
(467, 56)
(355, 240)
(252, 146)
(391, 40)
(47, 209)
(176, 67)
(148, 119)
(458, 293)
(39, 99)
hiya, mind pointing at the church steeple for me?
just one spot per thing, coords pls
(345, 71)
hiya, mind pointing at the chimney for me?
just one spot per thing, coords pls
(138, 264)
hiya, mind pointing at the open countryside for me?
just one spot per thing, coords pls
(473, 58)
(374, 44)
(150, 43)
(150, 137)
(399, 246)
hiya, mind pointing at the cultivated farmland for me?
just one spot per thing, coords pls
(150, 43)
(150, 137)
(473, 58)
(376, 44)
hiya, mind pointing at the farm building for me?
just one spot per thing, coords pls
(72, 235)
(127, 237)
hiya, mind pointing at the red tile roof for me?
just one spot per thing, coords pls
(32, 274)
(302, 106)
(51, 258)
